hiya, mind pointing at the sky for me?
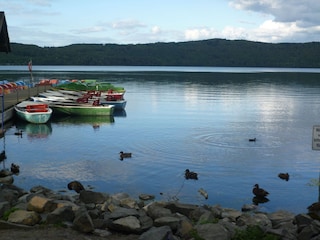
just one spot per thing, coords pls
(55, 23)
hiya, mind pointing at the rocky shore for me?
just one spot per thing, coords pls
(98, 215)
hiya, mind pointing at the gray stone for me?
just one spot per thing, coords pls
(29, 218)
(60, 215)
(157, 211)
(121, 212)
(231, 214)
(302, 221)
(92, 197)
(156, 233)
(184, 209)
(146, 197)
(259, 219)
(279, 217)
(41, 204)
(145, 221)
(172, 222)
(126, 224)
(83, 222)
(211, 231)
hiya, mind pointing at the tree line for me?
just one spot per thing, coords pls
(212, 52)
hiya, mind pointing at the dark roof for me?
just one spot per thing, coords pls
(4, 37)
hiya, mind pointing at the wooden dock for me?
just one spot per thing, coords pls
(11, 99)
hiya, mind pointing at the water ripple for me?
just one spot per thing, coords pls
(233, 140)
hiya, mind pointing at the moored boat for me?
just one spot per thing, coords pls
(68, 97)
(83, 109)
(118, 104)
(33, 112)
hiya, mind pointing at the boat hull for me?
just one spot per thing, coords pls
(32, 116)
(82, 110)
(121, 104)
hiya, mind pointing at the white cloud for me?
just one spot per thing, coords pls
(201, 33)
(271, 31)
(156, 30)
(126, 24)
(303, 12)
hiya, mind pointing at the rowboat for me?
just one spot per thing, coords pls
(33, 112)
(67, 96)
(118, 104)
(82, 109)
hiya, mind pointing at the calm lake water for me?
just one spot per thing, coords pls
(178, 118)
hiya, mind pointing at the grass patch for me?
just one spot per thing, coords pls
(194, 234)
(254, 233)
(8, 212)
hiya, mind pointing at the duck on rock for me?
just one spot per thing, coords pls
(190, 175)
(76, 186)
(259, 192)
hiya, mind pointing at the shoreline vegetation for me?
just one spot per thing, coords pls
(206, 53)
(87, 214)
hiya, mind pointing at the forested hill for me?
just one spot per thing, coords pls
(213, 52)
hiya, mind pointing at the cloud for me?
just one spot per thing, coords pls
(207, 33)
(126, 25)
(43, 3)
(156, 30)
(302, 12)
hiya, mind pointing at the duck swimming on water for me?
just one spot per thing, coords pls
(284, 176)
(15, 168)
(125, 155)
(3, 156)
(18, 133)
(252, 139)
(190, 175)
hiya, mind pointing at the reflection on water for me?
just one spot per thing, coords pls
(85, 120)
(179, 120)
(32, 130)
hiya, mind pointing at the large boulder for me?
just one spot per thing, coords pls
(41, 204)
(29, 218)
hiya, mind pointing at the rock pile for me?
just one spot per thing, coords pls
(103, 214)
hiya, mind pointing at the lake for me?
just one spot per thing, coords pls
(178, 118)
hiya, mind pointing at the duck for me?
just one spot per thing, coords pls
(203, 193)
(125, 155)
(284, 176)
(252, 139)
(18, 133)
(76, 186)
(314, 207)
(3, 156)
(313, 210)
(15, 168)
(259, 192)
(190, 175)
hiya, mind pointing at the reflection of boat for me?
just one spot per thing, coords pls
(33, 112)
(34, 130)
(79, 120)
(119, 113)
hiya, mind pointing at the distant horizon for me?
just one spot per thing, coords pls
(203, 69)
(63, 23)
(166, 42)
